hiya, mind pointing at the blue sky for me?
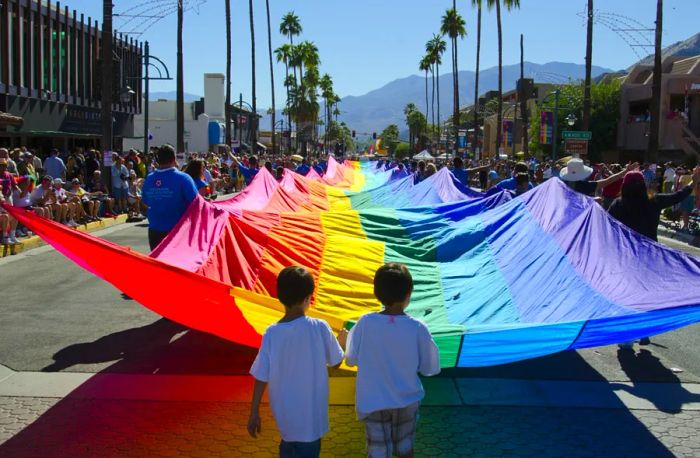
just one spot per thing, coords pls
(365, 44)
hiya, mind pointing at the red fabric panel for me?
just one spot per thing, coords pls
(186, 297)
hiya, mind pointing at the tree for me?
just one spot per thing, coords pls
(291, 27)
(655, 110)
(477, 129)
(605, 115)
(436, 47)
(283, 54)
(227, 107)
(407, 111)
(425, 66)
(254, 126)
(180, 85)
(272, 74)
(453, 25)
(390, 137)
(509, 4)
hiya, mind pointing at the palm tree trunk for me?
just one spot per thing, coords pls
(272, 76)
(455, 116)
(180, 83)
(432, 102)
(227, 108)
(499, 117)
(523, 98)
(427, 108)
(589, 53)
(289, 114)
(477, 130)
(437, 85)
(254, 124)
(656, 86)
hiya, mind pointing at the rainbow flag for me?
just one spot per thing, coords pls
(497, 279)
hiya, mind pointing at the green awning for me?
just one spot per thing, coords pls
(58, 133)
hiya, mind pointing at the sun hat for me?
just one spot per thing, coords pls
(58, 181)
(575, 170)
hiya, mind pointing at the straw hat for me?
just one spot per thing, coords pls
(575, 170)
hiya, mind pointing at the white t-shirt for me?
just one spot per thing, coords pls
(390, 351)
(37, 194)
(293, 359)
(19, 201)
(60, 193)
(669, 175)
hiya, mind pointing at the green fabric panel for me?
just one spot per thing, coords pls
(449, 349)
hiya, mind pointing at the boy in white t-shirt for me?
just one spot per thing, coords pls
(390, 349)
(293, 359)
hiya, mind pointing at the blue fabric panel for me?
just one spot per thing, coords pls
(515, 343)
(543, 284)
(631, 327)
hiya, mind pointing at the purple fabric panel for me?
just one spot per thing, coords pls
(254, 197)
(620, 264)
(191, 241)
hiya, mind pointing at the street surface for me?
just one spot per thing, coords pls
(59, 319)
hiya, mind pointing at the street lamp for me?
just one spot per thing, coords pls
(240, 104)
(571, 119)
(126, 94)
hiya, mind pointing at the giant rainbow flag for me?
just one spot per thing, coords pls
(497, 279)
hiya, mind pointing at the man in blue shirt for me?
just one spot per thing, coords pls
(303, 168)
(54, 165)
(247, 172)
(168, 193)
(511, 184)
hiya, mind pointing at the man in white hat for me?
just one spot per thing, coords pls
(576, 174)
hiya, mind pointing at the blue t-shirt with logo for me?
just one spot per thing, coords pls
(248, 173)
(168, 193)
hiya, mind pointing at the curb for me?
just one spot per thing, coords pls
(678, 235)
(35, 241)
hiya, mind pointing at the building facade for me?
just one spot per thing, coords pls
(204, 121)
(50, 78)
(679, 130)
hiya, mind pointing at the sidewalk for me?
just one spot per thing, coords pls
(35, 241)
(73, 414)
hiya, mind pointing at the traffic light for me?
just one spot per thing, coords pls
(353, 134)
(374, 135)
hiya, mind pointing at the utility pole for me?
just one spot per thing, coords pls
(107, 74)
(145, 105)
(589, 57)
(180, 84)
(656, 87)
(523, 97)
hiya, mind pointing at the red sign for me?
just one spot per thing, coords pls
(242, 119)
(576, 146)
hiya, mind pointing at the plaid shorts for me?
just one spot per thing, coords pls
(391, 432)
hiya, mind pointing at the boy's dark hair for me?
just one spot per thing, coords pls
(392, 283)
(166, 154)
(522, 179)
(294, 284)
(520, 167)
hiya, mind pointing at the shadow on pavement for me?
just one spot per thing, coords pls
(162, 347)
(642, 366)
(79, 426)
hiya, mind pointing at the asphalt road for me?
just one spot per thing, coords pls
(58, 317)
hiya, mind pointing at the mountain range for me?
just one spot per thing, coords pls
(686, 48)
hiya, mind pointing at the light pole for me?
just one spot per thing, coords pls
(240, 104)
(556, 94)
(162, 70)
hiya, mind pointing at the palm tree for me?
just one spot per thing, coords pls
(326, 86)
(283, 54)
(453, 25)
(227, 107)
(477, 129)
(272, 75)
(435, 48)
(180, 84)
(509, 4)
(307, 57)
(291, 27)
(254, 126)
(408, 110)
(424, 65)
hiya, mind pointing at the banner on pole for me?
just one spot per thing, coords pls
(546, 127)
(508, 132)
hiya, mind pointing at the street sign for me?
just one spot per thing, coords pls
(576, 135)
(576, 146)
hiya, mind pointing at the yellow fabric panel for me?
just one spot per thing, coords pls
(261, 311)
(345, 286)
(346, 223)
(358, 183)
(337, 200)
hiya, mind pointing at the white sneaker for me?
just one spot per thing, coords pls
(72, 223)
(13, 240)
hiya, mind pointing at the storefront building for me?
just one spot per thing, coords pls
(50, 78)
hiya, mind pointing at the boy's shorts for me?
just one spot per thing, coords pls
(391, 432)
(300, 449)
